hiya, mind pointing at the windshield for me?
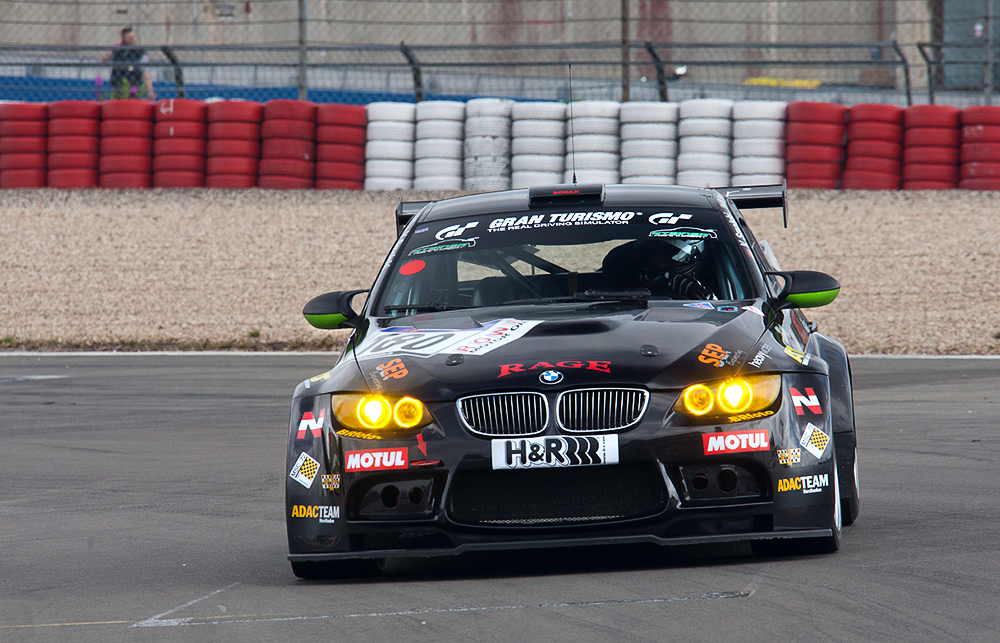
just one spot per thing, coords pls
(542, 256)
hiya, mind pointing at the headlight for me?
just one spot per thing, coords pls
(734, 396)
(374, 412)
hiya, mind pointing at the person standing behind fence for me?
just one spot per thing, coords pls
(129, 77)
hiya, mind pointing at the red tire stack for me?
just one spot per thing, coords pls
(233, 151)
(73, 143)
(288, 145)
(340, 147)
(126, 144)
(930, 147)
(23, 129)
(179, 144)
(874, 133)
(814, 150)
(980, 153)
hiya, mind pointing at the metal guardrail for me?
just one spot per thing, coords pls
(940, 55)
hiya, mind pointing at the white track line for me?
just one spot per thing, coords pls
(154, 621)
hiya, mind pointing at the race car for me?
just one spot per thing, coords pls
(574, 365)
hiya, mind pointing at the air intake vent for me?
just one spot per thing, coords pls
(601, 409)
(504, 414)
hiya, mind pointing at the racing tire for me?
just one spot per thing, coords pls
(758, 165)
(31, 178)
(341, 134)
(648, 148)
(340, 171)
(231, 181)
(874, 131)
(703, 179)
(390, 131)
(706, 108)
(489, 146)
(241, 111)
(639, 166)
(180, 129)
(433, 110)
(649, 180)
(320, 570)
(988, 152)
(579, 126)
(661, 131)
(649, 112)
(538, 128)
(127, 109)
(386, 111)
(337, 114)
(126, 164)
(971, 184)
(23, 128)
(812, 112)
(705, 145)
(931, 136)
(980, 134)
(288, 148)
(538, 163)
(292, 110)
(974, 115)
(23, 145)
(232, 147)
(389, 150)
(821, 171)
(439, 128)
(387, 183)
(530, 110)
(437, 182)
(74, 127)
(178, 179)
(238, 130)
(880, 149)
(585, 175)
(811, 184)
(24, 111)
(437, 167)
(697, 161)
(488, 127)
(126, 180)
(75, 109)
(488, 107)
(337, 153)
(179, 163)
(287, 167)
(876, 112)
(753, 110)
(603, 161)
(855, 180)
(121, 127)
(24, 161)
(73, 144)
(814, 153)
(389, 169)
(73, 161)
(759, 129)
(288, 128)
(872, 164)
(815, 133)
(721, 127)
(233, 165)
(976, 170)
(931, 154)
(527, 179)
(195, 146)
(928, 185)
(535, 145)
(596, 109)
(756, 179)
(279, 182)
(593, 143)
(944, 116)
(180, 109)
(440, 148)
(72, 178)
(930, 172)
(337, 184)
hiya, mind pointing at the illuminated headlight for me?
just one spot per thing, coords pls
(729, 397)
(374, 412)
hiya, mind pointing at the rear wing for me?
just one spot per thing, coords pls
(405, 211)
(760, 196)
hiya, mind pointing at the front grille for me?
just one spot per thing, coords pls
(553, 497)
(601, 409)
(504, 414)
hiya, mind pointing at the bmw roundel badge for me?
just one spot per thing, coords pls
(550, 377)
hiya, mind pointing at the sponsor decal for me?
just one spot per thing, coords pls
(668, 218)
(728, 309)
(547, 452)
(376, 460)
(814, 440)
(320, 377)
(331, 481)
(419, 230)
(412, 267)
(304, 470)
(743, 417)
(762, 354)
(798, 356)
(531, 221)
(789, 456)
(735, 227)
(700, 304)
(442, 246)
(735, 441)
(684, 233)
(350, 433)
(736, 358)
(809, 400)
(550, 377)
(475, 341)
(393, 369)
(805, 484)
(311, 424)
(752, 309)
(456, 230)
(324, 513)
(714, 354)
(507, 369)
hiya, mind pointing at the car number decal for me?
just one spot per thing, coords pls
(562, 451)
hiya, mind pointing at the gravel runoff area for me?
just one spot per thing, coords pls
(218, 268)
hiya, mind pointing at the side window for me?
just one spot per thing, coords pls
(764, 256)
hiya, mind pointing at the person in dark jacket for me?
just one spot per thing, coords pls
(128, 70)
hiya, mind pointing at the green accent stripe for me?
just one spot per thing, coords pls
(326, 322)
(814, 299)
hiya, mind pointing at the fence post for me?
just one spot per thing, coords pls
(178, 72)
(303, 52)
(418, 78)
(625, 53)
(661, 74)
(906, 72)
(988, 53)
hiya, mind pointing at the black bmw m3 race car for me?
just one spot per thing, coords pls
(574, 365)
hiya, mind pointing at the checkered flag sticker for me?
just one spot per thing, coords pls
(789, 456)
(814, 440)
(304, 471)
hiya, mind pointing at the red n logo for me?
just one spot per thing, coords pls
(309, 423)
(810, 401)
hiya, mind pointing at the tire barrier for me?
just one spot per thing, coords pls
(486, 162)
(592, 142)
(126, 159)
(232, 152)
(340, 147)
(437, 152)
(179, 143)
(649, 143)
(930, 147)
(389, 148)
(23, 131)
(980, 151)
(873, 151)
(73, 125)
(705, 134)
(288, 145)
(758, 152)
(814, 144)
(538, 144)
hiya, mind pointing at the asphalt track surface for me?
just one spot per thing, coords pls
(142, 501)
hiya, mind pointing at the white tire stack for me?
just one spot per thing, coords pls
(649, 143)
(437, 152)
(704, 140)
(389, 147)
(592, 142)
(758, 142)
(538, 143)
(487, 144)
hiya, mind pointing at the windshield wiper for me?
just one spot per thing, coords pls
(424, 308)
(641, 294)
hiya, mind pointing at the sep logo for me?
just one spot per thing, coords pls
(454, 230)
(668, 218)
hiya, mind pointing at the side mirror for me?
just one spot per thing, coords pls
(332, 310)
(807, 288)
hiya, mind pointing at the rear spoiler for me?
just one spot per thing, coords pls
(405, 211)
(760, 196)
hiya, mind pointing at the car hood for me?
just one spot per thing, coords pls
(447, 355)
